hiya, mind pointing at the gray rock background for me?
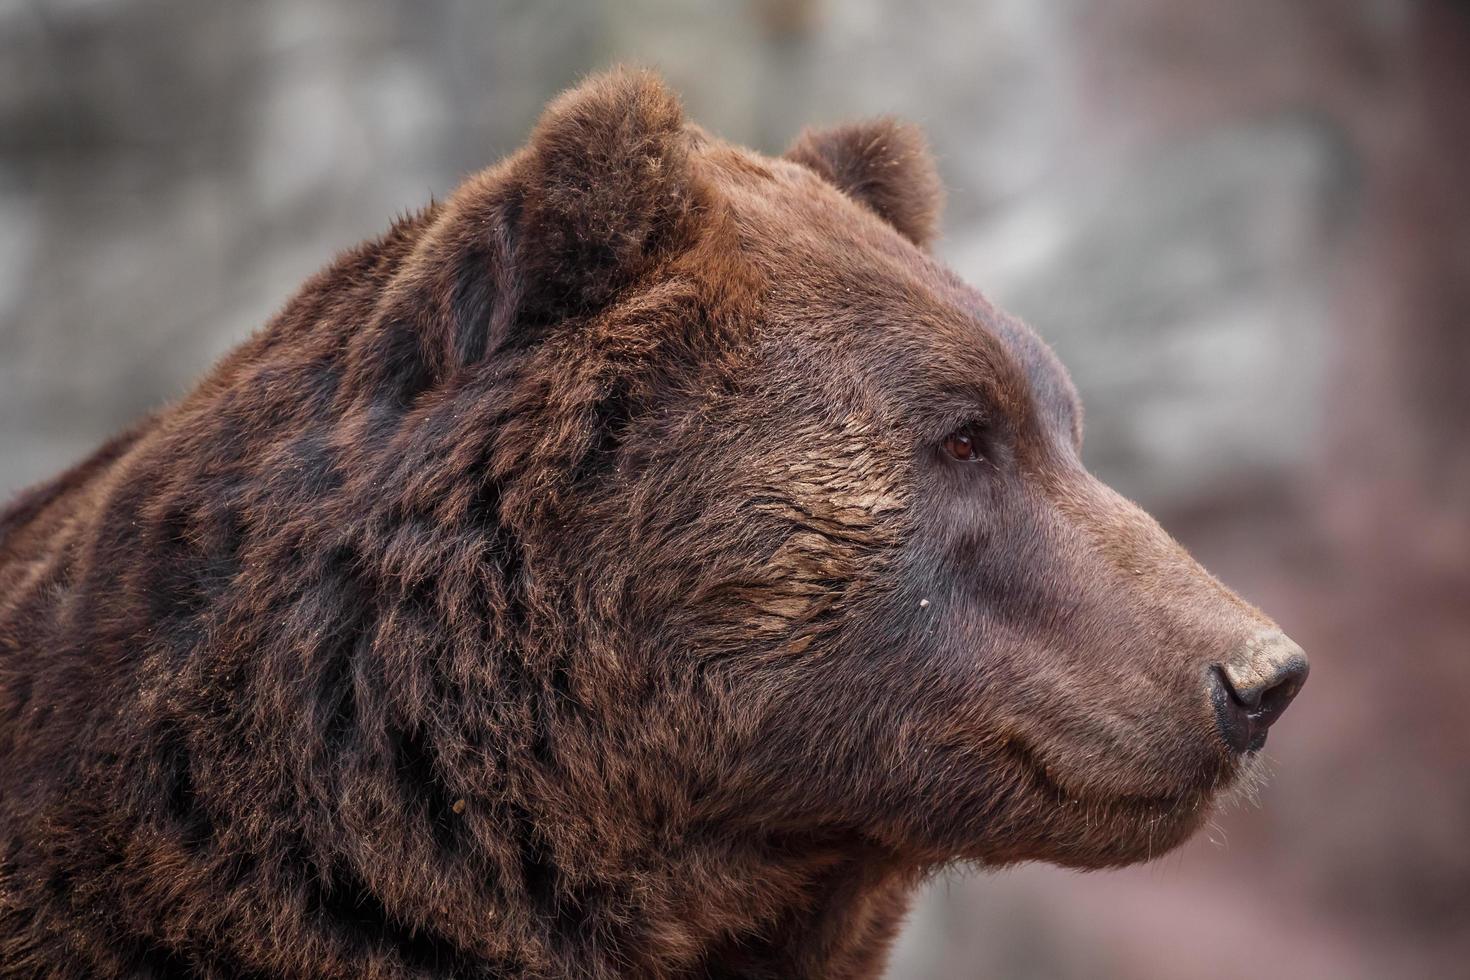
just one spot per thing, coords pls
(1244, 226)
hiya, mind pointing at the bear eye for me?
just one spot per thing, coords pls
(963, 444)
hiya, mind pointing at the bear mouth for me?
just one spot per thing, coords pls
(1106, 829)
(1188, 800)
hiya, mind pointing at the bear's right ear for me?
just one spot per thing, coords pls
(883, 164)
(603, 192)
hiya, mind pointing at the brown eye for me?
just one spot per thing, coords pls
(961, 446)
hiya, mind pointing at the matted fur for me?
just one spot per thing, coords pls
(572, 583)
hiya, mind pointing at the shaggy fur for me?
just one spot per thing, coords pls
(574, 582)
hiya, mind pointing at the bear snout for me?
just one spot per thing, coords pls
(1253, 688)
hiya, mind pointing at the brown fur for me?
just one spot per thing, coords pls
(569, 583)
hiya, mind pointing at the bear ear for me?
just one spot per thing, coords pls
(602, 192)
(884, 164)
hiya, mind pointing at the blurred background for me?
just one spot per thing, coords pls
(1245, 227)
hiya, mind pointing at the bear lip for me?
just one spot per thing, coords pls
(1182, 799)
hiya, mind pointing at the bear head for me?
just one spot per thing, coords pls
(807, 516)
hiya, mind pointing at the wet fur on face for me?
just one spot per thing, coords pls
(573, 582)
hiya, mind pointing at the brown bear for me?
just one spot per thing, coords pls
(647, 562)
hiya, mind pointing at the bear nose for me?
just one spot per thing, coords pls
(1253, 688)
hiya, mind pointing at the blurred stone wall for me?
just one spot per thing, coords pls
(172, 170)
(1242, 226)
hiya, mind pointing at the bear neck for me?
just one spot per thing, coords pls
(708, 901)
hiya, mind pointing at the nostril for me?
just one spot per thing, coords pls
(1248, 699)
(1273, 698)
(1232, 715)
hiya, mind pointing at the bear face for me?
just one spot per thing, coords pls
(915, 616)
(648, 559)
